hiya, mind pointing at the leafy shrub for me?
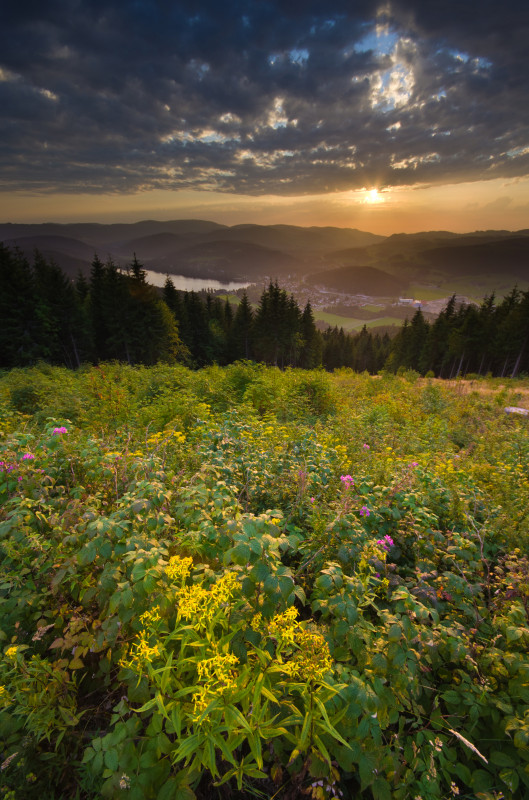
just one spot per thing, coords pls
(247, 582)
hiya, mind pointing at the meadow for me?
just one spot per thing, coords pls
(239, 582)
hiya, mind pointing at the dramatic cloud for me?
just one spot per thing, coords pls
(256, 98)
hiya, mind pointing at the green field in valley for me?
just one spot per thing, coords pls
(353, 324)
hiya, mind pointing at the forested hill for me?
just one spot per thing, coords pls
(201, 248)
(115, 315)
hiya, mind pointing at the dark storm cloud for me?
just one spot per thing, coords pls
(254, 98)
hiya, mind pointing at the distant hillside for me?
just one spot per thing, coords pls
(294, 239)
(71, 255)
(98, 233)
(359, 280)
(466, 258)
(154, 246)
(231, 260)
(196, 248)
(442, 256)
(205, 249)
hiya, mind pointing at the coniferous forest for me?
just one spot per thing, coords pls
(115, 315)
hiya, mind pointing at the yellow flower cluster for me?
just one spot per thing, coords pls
(150, 616)
(256, 622)
(115, 454)
(179, 568)
(341, 452)
(283, 626)
(309, 657)
(218, 677)
(141, 653)
(218, 670)
(11, 653)
(225, 588)
(200, 604)
(112, 454)
(312, 661)
(4, 697)
(166, 436)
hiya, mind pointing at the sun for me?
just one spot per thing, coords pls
(373, 196)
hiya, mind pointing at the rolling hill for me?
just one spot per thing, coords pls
(206, 249)
(364, 280)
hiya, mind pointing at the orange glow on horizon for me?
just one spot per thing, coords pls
(496, 204)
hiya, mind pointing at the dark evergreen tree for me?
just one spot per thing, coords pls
(240, 340)
(311, 349)
(19, 329)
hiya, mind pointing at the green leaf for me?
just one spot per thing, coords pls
(111, 759)
(260, 572)
(462, 772)
(240, 554)
(501, 759)
(510, 778)
(381, 789)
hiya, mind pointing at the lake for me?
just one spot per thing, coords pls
(184, 284)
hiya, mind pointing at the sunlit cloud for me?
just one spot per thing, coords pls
(284, 100)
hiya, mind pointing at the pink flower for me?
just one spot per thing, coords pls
(365, 447)
(312, 499)
(27, 457)
(364, 511)
(386, 542)
(62, 429)
(347, 480)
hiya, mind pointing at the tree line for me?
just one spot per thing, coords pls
(115, 314)
(491, 338)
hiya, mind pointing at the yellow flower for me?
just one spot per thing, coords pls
(218, 670)
(256, 621)
(179, 567)
(141, 653)
(200, 604)
(11, 653)
(150, 616)
(4, 697)
(283, 626)
(225, 588)
(313, 660)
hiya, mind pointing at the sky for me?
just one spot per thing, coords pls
(385, 116)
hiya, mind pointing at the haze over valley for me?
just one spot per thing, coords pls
(351, 277)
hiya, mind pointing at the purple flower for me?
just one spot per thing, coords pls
(414, 464)
(365, 447)
(364, 511)
(347, 480)
(386, 542)
(62, 429)
(27, 457)
(312, 499)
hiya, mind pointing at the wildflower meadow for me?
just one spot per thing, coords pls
(239, 582)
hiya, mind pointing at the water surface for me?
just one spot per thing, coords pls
(184, 284)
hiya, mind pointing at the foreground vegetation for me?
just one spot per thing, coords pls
(240, 582)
